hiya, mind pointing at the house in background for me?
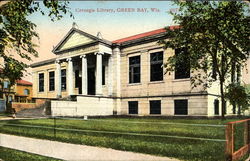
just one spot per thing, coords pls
(20, 92)
(122, 77)
(23, 91)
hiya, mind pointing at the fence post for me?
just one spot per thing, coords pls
(55, 127)
(229, 141)
(248, 134)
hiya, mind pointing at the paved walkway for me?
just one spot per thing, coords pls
(68, 151)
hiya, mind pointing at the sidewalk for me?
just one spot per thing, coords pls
(68, 151)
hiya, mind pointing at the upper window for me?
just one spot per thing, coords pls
(64, 80)
(26, 92)
(135, 69)
(182, 67)
(41, 82)
(156, 70)
(51, 81)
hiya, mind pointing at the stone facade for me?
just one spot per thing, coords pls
(87, 59)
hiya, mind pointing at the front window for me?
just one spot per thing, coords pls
(51, 81)
(41, 82)
(77, 79)
(182, 67)
(103, 75)
(134, 69)
(64, 80)
(156, 70)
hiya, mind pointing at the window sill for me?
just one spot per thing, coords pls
(51, 91)
(155, 82)
(182, 79)
(134, 84)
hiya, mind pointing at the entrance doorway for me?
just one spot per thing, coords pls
(91, 81)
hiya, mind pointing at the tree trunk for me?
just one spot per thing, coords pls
(223, 108)
(233, 81)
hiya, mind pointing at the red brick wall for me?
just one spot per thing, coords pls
(21, 106)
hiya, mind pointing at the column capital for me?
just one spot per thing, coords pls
(69, 59)
(99, 53)
(57, 61)
(83, 56)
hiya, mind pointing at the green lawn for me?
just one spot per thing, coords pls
(144, 135)
(7, 154)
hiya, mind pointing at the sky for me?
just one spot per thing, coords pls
(114, 19)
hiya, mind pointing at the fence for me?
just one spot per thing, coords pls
(240, 131)
(236, 136)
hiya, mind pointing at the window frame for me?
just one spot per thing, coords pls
(77, 78)
(63, 80)
(50, 79)
(178, 110)
(188, 73)
(132, 68)
(154, 111)
(103, 75)
(41, 80)
(130, 104)
(28, 91)
(156, 62)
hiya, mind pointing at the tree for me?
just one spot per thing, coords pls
(17, 32)
(216, 35)
(13, 70)
(238, 94)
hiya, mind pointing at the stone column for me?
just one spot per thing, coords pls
(84, 75)
(59, 79)
(70, 77)
(110, 76)
(98, 73)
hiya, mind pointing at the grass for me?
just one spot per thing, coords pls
(7, 154)
(184, 149)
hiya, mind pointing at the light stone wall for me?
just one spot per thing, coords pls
(197, 105)
(43, 69)
(84, 106)
(168, 86)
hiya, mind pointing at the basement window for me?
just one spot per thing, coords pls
(156, 70)
(155, 107)
(181, 107)
(133, 107)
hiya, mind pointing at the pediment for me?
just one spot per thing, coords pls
(73, 39)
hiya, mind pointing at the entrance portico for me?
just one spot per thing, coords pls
(86, 58)
(90, 73)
